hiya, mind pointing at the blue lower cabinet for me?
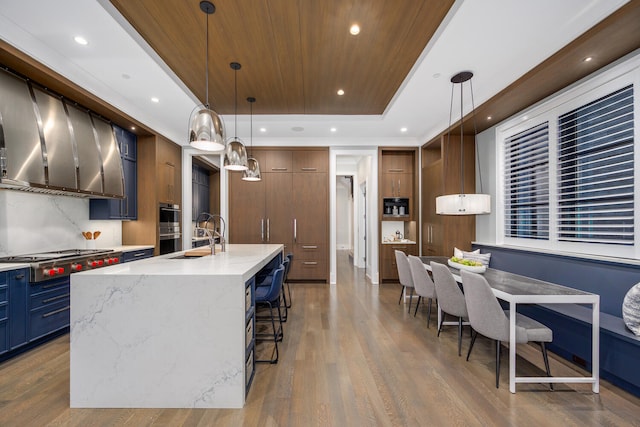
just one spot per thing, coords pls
(4, 336)
(18, 308)
(49, 307)
(250, 333)
(136, 255)
(4, 313)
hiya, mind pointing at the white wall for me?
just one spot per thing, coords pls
(486, 147)
(32, 223)
(344, 214)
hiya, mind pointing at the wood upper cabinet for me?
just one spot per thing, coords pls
(247, 210)
(397, 161)
(310, 161)
(276, 161)
(169, 156)
(397, 185)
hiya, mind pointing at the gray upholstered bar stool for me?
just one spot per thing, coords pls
(487, 318)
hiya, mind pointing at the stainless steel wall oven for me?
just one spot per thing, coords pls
(169, 228)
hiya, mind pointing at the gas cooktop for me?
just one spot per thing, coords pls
(48, 265)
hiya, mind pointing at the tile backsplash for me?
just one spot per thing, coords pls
(32, 223)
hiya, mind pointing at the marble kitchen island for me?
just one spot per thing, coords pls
(166, 333)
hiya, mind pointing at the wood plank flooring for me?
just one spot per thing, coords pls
(351, 356)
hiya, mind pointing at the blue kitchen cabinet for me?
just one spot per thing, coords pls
(136, 255)
(199, 191)
(16, 282)
(4, 313)
(127, 208)
(49, 307)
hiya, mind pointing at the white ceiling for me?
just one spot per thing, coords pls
(499, 40)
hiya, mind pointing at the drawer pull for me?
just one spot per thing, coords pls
(55, 298)
(19, 277)
(309, 169)
(138, 254)
(278, 169)
(309, 247)
(310, 263)
(396, 170)
(56, 312)
(55, 285)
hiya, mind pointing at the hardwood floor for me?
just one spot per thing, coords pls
(351, 356)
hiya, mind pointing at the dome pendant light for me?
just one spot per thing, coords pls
(253, 171)
(206, 129)
(235, 155)
(463, 204)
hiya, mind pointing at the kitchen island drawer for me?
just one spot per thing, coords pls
(309, 251)
(4, 293)
(48, 319)
(48, 285)
(4, 310)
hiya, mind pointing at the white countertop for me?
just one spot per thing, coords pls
(130, 248)
(238, 259)
(13, 266)
(399, 242)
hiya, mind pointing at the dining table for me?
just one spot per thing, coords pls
(516, 289)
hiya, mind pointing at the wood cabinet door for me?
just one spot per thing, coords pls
(166, 183)
(276, 161)
(310, 208)
(311, 161)
(279, 223)
(247, 217)
(397, 162)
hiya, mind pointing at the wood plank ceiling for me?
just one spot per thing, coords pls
(295, 54)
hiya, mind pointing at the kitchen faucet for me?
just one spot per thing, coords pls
(212, 242)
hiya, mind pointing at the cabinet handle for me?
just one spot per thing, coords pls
(309, 247)
(310, 263)
(19, 277)
(55, 298)
(268, 229)
(56, 312)
(396, 170)
(309, 169)
(55, 285)
(295, 230)
(278, 169)
(262, 229)
(393, 191)
(398, 187)
(138, 254)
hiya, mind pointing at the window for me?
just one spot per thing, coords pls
(595, 171)
(526, 200)
(566, 171)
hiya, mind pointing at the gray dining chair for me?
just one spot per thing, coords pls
(422, 284)
(404, 276)
(450, 297)
(487, 318)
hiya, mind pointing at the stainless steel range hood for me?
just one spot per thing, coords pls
(49, 145)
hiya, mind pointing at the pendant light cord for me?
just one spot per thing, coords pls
(251, 126)
(461, 140)
(235, 109)
(206, 64)
(475, 134)
(446, 157)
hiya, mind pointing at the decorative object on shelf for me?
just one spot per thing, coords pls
(235, 155)
(206, 128)
(463, 204)
(631, 309)
(253, 167)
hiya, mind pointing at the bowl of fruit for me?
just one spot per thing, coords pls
(467, 264)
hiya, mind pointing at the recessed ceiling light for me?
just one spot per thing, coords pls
(133, 128)
(588, 59)
(297, 128)
(81, 40)
(489, 117)
(436, 75)
(403, 130)
(340, 92)
(263, 129)
(154, 99)
(126, 76)
(333, 129)
(355, 29)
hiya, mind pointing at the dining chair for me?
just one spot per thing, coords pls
(487, 318)
(287, 300)
(422, 283)
(404, 276)
(450, 298)
(269, 296)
